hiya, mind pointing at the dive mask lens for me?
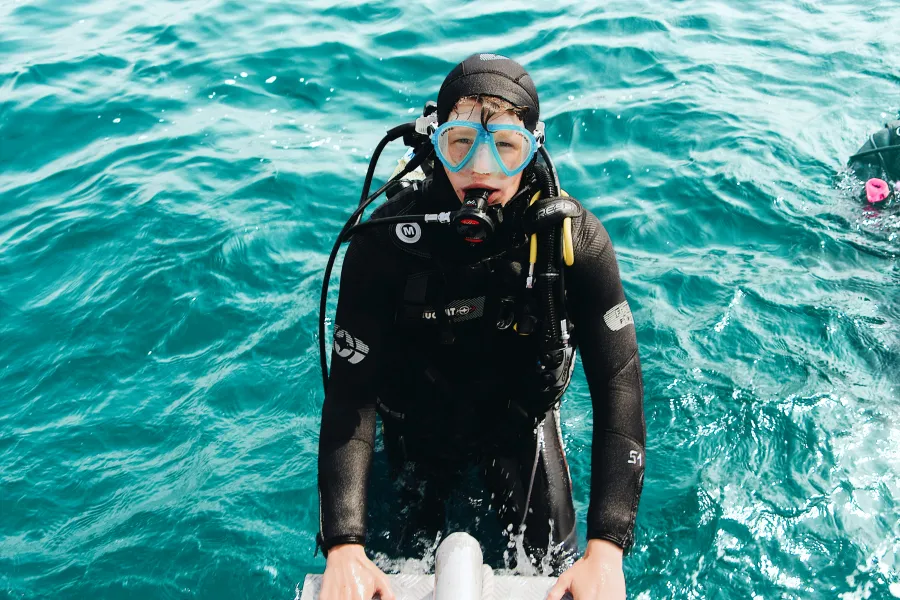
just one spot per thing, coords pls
(498, 149)
(514, 147)
(457, 143)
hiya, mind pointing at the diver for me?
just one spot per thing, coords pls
(877, 163)
(462, 303)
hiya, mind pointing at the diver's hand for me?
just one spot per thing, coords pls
(350, 575)
(597, 575)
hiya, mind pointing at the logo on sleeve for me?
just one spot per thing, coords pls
(619, 316)
(349, 347)
(409, 233)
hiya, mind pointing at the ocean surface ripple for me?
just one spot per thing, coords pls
(173, 176)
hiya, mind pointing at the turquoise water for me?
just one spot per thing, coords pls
(172, 175)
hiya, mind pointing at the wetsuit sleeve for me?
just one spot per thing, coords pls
(346, 439)
(606, 339)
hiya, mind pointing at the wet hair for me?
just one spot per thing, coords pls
(492, 106)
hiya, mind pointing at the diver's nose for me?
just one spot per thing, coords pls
(483, 161)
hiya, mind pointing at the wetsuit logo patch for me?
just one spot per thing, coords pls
(549, 210)
(349, 347)
(409, 233)
(459, 310)
(619, 316)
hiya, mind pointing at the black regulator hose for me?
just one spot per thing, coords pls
(550, 166)
(547, 277)
(561, 282)
(392, 134)
(893, 148)
(385, 221)
(422, 153)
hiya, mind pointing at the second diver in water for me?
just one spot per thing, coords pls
(877, 163)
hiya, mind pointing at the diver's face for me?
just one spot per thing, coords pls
(477, 173)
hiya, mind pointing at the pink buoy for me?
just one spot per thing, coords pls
(877, 190)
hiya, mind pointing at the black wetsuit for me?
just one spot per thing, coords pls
(457, 390)
(883, 165)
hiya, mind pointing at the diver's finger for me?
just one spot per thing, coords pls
(561, 587)
(383, 586)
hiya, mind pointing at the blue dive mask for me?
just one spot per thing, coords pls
(501, 148)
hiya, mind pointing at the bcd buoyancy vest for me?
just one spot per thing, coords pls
(466, 350)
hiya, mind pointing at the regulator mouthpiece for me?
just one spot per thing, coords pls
(472, 221)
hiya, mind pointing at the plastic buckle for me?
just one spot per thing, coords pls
(427, 125)
(539, 133)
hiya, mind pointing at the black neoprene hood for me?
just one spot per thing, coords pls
(491, 75)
